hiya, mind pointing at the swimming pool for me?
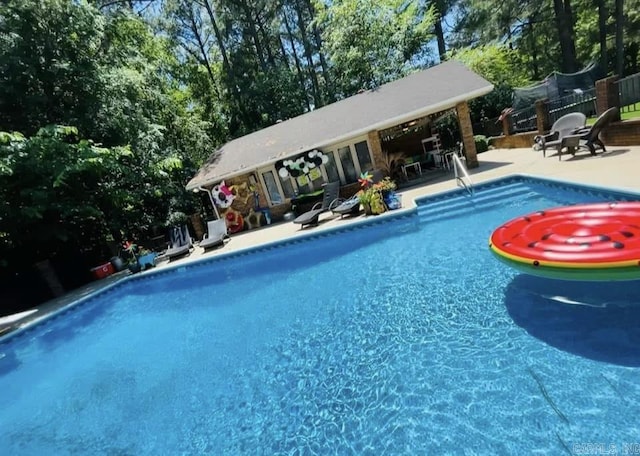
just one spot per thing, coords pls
(402, 337)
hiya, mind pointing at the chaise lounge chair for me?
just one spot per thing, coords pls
(216, 234)
(180, 242)
(329, 201)
(351, 206)
(562, 128)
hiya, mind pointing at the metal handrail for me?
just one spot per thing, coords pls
(460, 179)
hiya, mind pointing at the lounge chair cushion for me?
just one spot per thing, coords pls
(216, 234)
(180, 241)
(350, 206)
(329, 200)
(309, 218)
(174, 252)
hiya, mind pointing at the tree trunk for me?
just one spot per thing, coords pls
(223, 50)
(253, 34)
(317, 99)
(602, 34)
(535, 66)
(227, 68)
(204, 57)
(283, 52)
(619, 37)
(323, 62)
(564, 22)
(296, 59)
(265, 40)
(442, 50)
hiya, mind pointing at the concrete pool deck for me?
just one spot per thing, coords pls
(618, 168)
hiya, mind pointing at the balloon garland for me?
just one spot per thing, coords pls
(302, 164)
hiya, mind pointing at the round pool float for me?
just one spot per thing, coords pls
(584, 242)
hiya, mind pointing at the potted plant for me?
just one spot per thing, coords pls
(372, 196)
(131, 252)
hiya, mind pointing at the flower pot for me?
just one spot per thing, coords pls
(118, 264)
(148, 260)
(392, 199)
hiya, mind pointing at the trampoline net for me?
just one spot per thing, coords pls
(557, 85)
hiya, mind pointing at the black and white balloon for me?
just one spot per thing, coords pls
(302, 164)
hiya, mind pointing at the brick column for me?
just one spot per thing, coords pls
(466, 130)
(542, 116)
(607, 94)
(507, 122)
(375, 143)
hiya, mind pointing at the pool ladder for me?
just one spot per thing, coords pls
(460, 171)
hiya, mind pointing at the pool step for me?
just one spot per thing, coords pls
(491, 192)
(463, 204)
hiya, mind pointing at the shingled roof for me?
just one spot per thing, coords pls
(419, 94)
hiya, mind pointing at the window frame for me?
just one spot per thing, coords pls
(333, 149)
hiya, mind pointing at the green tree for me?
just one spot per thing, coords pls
(55, 192)
(371, 42)
(49, 52)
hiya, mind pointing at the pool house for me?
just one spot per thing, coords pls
(275, 167)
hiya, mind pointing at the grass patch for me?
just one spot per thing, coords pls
(631, 112)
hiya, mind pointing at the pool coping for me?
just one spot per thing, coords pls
(408, 212)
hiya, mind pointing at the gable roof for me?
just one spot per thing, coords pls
(422, 93)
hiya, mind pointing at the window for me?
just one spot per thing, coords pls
(348, 167)
(332, 168)
(272, 187)
(287, 187)
(364, 157)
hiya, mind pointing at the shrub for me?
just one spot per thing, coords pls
(482, 143)
(176, 218)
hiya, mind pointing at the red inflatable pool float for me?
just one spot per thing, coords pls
(583, 242)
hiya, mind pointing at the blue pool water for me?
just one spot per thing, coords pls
(404, 337)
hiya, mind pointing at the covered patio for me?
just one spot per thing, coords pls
(267, 171)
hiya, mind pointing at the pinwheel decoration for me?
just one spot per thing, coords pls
(365, 179)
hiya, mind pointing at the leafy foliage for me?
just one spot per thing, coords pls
(371, 42)
(54, 191)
